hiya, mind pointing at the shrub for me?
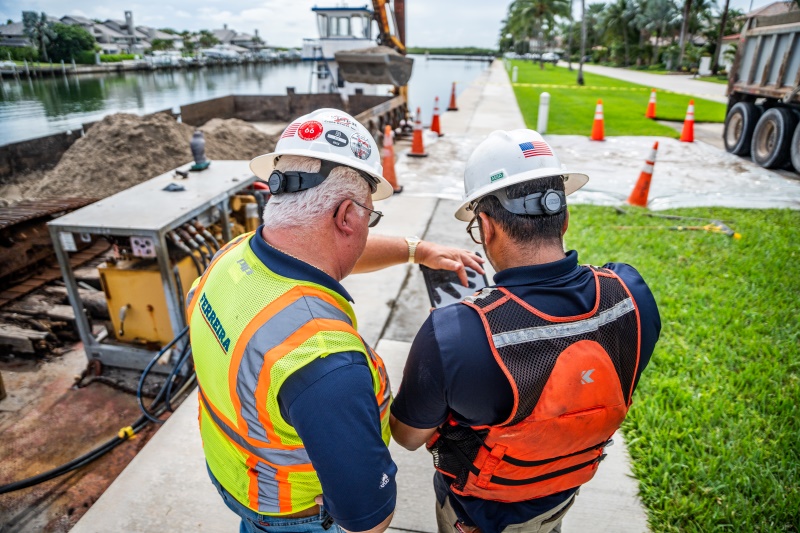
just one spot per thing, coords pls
(19, 53)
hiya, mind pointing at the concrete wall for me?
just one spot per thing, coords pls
(40, 153)
(201, 112)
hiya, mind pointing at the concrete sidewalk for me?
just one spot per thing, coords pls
(166, 486)
(679, 83)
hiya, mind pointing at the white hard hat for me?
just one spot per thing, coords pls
(329, 135)
(509, 157)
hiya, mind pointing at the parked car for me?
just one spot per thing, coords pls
(550, 57)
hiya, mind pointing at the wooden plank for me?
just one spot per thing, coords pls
(2, 388)
(19, 340)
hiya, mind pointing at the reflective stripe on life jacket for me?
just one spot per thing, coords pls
(572, 380)
(250, 330)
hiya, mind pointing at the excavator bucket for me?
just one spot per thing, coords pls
(377, 65)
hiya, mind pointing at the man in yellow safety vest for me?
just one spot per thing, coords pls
(293, 403)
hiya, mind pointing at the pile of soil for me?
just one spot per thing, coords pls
(123, 150)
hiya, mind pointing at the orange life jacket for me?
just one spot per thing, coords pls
(572, 380)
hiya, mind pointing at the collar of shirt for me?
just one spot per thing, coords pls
(290, 267)
(548, 272)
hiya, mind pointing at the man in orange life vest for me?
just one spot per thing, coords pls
(293, 403)
(518, 389)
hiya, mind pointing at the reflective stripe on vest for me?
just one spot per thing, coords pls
(250, 330)
(571, 378)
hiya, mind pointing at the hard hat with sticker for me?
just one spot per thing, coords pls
(329, 135)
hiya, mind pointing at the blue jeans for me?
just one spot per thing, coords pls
(253, 522)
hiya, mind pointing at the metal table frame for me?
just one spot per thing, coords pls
(228, 178)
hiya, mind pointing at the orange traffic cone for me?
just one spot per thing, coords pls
(435, 125)
(387, 156)
(453, 106)
(417, 147)
(651, 105)
(597, 127)
(642, 189)
(687, 135)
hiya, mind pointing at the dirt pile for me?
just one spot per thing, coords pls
(123, 150)
(235, 139)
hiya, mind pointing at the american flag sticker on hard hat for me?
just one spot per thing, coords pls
(535, 149)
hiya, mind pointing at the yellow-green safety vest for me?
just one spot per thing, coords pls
(250, 329)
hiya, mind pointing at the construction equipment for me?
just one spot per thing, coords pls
(162, 241)
(387, 63)
(764, 89)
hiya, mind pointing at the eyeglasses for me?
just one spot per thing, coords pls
(374, 216)
(474, 230)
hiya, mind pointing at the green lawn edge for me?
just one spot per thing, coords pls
(624, 103)
(714, 430)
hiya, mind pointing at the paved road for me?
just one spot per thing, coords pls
(671, 82)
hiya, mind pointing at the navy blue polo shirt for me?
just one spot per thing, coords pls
(331, 404)
(451, 369)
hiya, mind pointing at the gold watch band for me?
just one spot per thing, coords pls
(413, 242)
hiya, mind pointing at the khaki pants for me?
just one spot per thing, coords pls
(549, 522)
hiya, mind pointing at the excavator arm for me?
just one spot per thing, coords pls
(383, 64)
(389, 32)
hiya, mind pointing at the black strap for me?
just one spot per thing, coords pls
(520, 462)
(504, 481)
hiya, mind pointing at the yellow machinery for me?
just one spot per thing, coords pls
(136, 301)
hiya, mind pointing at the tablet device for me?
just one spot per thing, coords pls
(444, 288)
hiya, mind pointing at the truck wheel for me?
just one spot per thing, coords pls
(771, 139)
(739, 126)
(795, 149)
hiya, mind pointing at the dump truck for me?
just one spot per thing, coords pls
(763, 116)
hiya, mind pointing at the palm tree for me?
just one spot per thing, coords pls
(617, 20)
(687, 11)
(39, 30)
(531, 18)
(583, 42)
(660, 15)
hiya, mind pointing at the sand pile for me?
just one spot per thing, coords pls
(123, 150)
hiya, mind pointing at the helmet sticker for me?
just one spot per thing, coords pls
(535, 148)
(360, 146)
(290, 131)
(497, 176)
(336, 138)
(339, 120)
(310, 131)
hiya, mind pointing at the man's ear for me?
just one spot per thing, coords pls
(489, 228)
(566, 223)
(345, 218)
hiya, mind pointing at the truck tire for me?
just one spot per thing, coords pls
(795, 149)
(739, 126)
(772, 137)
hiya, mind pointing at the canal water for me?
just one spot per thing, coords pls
(42, 106)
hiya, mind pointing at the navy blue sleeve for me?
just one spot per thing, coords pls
(331, 404)
(420, 401)
(648, 311)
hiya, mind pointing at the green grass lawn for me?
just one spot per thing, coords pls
(624, 103)
(722, 80)
(714, 432)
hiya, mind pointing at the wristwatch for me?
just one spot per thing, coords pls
(413, 242)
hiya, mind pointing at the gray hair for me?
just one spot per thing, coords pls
(298, 208)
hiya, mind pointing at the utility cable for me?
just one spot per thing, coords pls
(124, 434)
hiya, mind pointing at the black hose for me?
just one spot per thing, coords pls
(146, 371)
(185, 354)
(124, 433)
(176, 240)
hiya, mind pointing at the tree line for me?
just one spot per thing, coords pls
(647, 34)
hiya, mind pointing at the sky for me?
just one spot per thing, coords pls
(287, 22)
